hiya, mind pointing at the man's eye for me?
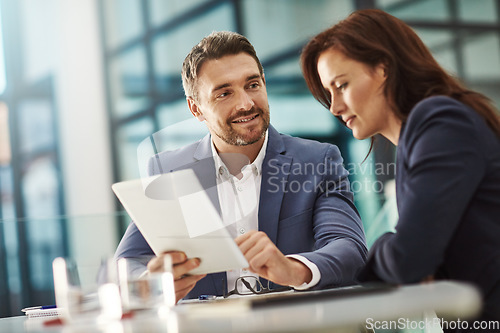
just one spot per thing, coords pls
(253, 85)
(224, 94)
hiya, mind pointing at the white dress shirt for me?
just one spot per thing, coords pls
(239, 201)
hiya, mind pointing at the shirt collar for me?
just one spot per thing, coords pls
(221, 169)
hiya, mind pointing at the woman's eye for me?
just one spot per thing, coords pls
(342, 87)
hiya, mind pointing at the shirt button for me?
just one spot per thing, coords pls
(242, 231)
(240, 188)
(221, 171)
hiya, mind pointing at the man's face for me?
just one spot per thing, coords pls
(232, 99)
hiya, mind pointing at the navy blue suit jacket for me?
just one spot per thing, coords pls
(448, 197)
(306, 207)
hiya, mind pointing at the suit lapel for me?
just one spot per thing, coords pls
(205, 166)
(204, 149)
(275, 171)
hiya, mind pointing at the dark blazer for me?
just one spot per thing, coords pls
(448, 196)
(306, 207)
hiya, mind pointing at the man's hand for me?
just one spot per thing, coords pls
(428, 279)
(181, 266)
(265, 259)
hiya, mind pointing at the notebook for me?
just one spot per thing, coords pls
(174, 212)
(41, 312)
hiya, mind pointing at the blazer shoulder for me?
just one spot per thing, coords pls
(440, 107)
(309, 150)
(439, 113)
(171, 160)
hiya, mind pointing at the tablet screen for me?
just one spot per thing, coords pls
(174, 212)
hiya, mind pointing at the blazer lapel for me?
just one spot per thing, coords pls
(204, 149)
(205, 167)
(275, 171)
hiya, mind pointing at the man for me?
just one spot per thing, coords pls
(294, 191)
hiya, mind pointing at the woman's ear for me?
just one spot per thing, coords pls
(382, 70)
(194, 108)
(379, 72)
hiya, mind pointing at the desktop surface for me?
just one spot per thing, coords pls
(317, 314)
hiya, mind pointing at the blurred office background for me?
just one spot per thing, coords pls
(84, 83)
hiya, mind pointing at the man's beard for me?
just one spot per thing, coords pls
(232, 137)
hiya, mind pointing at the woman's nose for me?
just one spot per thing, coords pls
(337, 105)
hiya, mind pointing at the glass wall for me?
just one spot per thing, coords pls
(30, 173)
(145, 43)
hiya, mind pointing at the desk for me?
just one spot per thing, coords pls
(449, 299)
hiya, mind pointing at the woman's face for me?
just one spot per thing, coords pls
(357, 94)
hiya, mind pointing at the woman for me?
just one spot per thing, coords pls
(374, 74)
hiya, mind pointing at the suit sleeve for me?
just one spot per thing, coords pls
(133, 244)
(442, 156)
(134, 247)
(340, 246)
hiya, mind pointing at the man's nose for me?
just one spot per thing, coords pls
(245, 102)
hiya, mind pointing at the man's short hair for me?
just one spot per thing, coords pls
(214, 46)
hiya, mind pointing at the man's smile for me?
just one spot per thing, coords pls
(245, 119)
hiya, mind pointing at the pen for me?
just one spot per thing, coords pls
(206, 297)
(41, 307)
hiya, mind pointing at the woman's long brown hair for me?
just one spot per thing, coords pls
(374, 37)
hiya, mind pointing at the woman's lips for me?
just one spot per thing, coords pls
(349, 121)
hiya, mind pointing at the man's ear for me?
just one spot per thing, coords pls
(194, 108)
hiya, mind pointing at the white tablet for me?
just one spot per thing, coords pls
(174, 212)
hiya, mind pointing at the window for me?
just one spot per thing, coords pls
(463, 36)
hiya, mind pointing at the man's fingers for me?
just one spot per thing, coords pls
(188, 282)
(182, 269)
(252, 238)
(185, 285)
(242, 238)
(178, 257)
(156, 264)
(261, 257)
(259, 246)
